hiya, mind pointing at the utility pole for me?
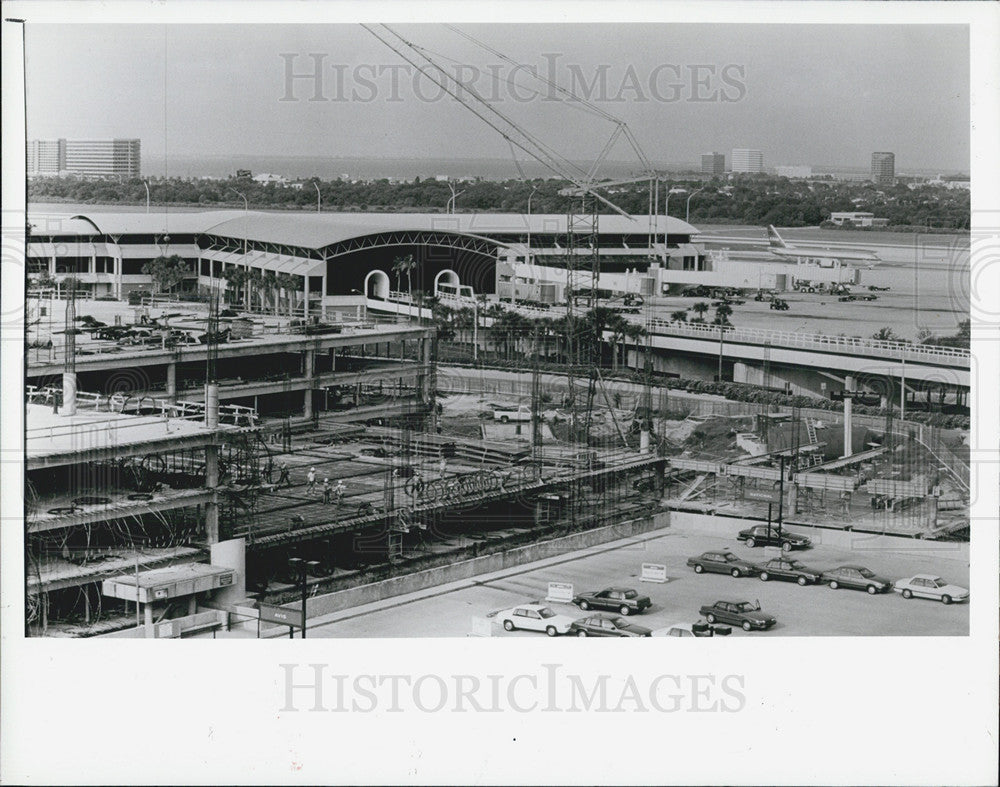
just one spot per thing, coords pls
(781, 490)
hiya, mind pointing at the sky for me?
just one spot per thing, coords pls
(803, 94)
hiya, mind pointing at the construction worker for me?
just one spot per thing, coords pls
(339, 490)
(283, 478)
(326, 490)
(311, 479)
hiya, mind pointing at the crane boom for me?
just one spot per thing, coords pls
(466, 94)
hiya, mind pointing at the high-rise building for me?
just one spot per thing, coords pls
(713, 163)
(746, 160)
(883, 167)
(85, 157)
(46, 156)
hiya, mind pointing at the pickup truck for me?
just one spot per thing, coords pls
(521, 413)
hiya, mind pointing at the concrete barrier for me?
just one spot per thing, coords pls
(729, 527)
(466, 569)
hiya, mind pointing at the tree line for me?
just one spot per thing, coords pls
(746, 199)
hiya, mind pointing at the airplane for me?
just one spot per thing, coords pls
(818, 255)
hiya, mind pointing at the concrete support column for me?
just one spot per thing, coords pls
(211, 483)
(307, 403)
(192, 604)
(741, 374)
(147, 610)
(172, 383)
(424, 378)
(793, 498)
(69, 394)
(848, 434)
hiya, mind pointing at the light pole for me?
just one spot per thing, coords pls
(301, 569)
(319, 197)
(687, 209)
(454, 195)
(146, 184)
(532, 194)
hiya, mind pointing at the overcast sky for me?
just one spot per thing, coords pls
(802, 94)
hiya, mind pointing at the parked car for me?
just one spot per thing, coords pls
(692, 630)
(792, 570)
(623, 600)
(534, 617)
(722, 562)
(739, 613)
(856, 577)
(930, 586)
(605, 626)
(771, 536)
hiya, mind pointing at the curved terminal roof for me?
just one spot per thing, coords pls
(318, 230)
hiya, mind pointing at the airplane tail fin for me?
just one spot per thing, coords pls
(774, 238)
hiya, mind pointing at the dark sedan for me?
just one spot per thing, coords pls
(771, 536)
(792, 570)
(604, 626)
(623, 600)
(739, 613)
(856, 577)
(723, 562)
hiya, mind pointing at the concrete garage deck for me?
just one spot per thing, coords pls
(446, 610)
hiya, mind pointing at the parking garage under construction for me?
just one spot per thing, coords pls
(175, 488)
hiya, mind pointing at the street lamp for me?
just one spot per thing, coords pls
(687, 210)
(301, 569)
(319, 197)
(454, 195)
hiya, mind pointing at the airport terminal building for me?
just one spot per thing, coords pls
(326, 259)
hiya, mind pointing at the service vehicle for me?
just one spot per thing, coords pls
(722, 562)
(931, 586)
(505, 415)
(857, 578)
(738, 613)
(534, 617)
(606, 626)
(779, 305)
(623, 600)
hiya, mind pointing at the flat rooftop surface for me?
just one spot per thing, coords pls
(48, 433)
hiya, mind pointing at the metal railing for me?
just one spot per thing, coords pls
(849, 345)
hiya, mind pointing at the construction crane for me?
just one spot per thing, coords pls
(582, 225)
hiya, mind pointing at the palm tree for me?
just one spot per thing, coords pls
(679, 316)
(635, 332)
(404, 266)
(235, 279)
(722, 312)
(270, 287)
(700, 308)
(288, 283)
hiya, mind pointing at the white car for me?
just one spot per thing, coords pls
(930, 586)
(675, 630)
(534, 617)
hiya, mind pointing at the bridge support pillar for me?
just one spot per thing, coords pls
(793, 498)
(172, 383)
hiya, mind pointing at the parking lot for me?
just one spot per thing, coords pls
(447, 611)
